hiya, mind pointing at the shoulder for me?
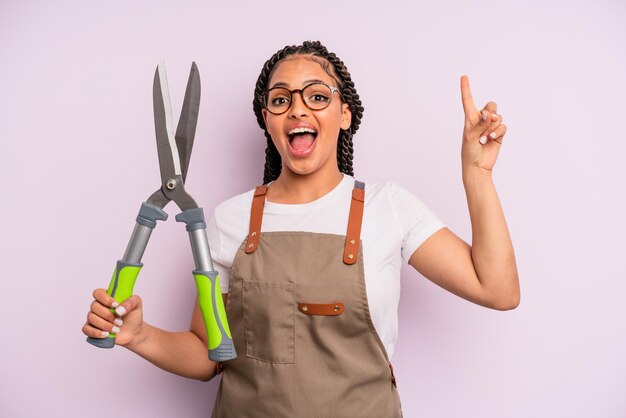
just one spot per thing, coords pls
(389, 192)
(231, 212)
(405, 208)
(235, 201)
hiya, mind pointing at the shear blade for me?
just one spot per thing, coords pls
(169, 158)
(186, 131)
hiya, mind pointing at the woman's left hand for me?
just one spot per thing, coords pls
(482, 134)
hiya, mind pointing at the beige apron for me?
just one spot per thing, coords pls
(298, 312)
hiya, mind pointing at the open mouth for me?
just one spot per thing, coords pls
(301, 140)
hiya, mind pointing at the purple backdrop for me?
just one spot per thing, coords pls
(77, 157)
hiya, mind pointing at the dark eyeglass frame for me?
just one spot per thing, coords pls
(291, 92)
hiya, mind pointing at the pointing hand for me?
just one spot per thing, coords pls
(482, 134)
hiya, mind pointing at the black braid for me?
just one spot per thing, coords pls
(338, 71)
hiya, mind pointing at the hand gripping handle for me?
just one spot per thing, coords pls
(220, 341)
(121, 288)
(127, 269)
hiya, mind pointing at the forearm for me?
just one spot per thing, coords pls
(492, 249)
(181, 353)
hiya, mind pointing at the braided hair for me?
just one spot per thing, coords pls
(338, 71)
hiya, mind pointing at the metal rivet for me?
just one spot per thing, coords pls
(305, 308)
(250, 245)
(253, 234)
(171, 184)
(350, 256)
(352, 241)
(337, 308)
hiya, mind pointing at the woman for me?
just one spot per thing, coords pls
(311, 259)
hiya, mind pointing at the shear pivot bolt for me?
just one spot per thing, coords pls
(171, 184)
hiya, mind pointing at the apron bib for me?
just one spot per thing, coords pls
(299, 317)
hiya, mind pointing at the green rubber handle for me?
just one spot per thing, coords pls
(120, 288)
(220, 340)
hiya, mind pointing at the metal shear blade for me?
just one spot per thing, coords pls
(174, 150)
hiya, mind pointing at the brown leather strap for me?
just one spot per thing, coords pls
(353, 236)
(326, 309)
(393, 378)
(256, 217)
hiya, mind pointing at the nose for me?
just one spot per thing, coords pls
(298, 108)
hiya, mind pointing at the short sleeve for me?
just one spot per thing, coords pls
(215, 245)
(417, 221)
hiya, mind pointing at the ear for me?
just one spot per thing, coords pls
(264, 113)
(346, 116)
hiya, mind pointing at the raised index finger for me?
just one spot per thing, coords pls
(466, 97)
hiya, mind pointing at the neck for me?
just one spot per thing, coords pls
(293, 188)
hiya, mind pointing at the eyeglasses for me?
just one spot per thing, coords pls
(316, 96)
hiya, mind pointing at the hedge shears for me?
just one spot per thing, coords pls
(174, 152)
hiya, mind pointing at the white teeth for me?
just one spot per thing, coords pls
(301, 131)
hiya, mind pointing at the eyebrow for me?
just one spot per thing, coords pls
(281, 84)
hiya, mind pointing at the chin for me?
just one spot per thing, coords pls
(301, 170)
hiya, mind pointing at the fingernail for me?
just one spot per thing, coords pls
(494, 117)
(484, 116)
(483, 140)
(104, 333)
(115, 304)
(492, 135)
(115, 330)
(120, 310)
(118, 322)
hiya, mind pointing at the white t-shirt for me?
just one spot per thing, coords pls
(395, 224)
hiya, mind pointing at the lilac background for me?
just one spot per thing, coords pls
(77, 157)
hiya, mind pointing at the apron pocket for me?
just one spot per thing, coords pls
(269, 321)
